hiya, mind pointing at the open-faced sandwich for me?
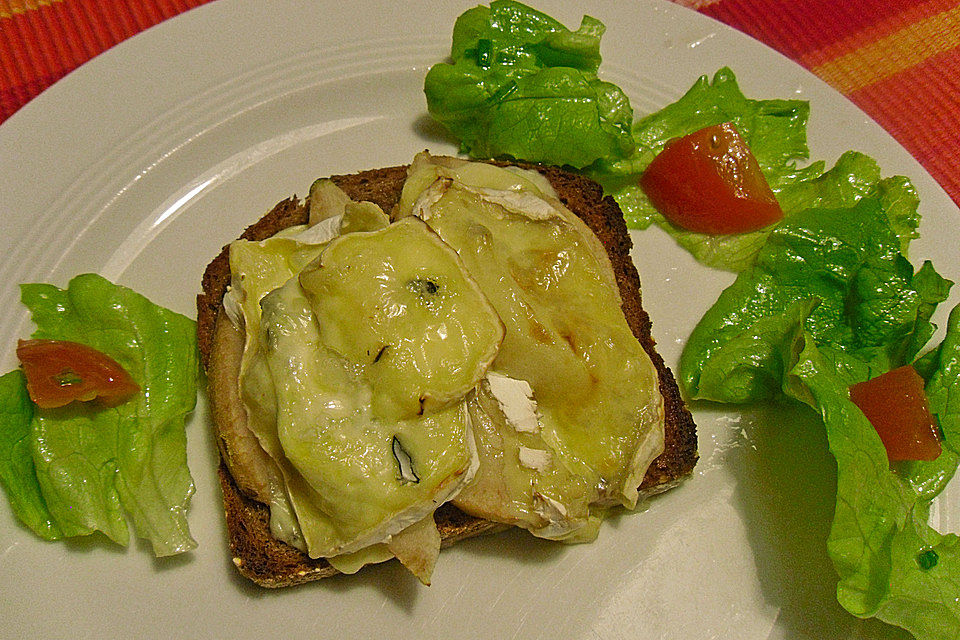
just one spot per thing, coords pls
(419, 354)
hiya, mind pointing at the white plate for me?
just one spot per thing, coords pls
(143, 162)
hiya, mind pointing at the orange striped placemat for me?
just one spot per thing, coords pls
(899, 60)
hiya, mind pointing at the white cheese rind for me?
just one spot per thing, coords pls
(516, 401)
(536, 459)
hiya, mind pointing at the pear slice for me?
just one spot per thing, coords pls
(399, 303)
(328, 202)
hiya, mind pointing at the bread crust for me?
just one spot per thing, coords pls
(271, 563)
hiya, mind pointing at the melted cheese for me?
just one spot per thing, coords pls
(331, 399)
(366, 345)
(596, 390)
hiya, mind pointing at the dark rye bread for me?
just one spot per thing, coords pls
(271, 563)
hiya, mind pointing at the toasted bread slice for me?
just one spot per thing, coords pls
(271, 563)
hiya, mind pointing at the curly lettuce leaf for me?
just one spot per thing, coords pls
(932, 289)
(892, 565)
(943, 393)
(854, 176)
(522, 85)
(775, 131)
(829, 302)
(864, 301)
(93, 464)
(17, 474)
(74, 455)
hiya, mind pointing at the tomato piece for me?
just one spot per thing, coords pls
(898, 409)
(710, 182)
(60, 372)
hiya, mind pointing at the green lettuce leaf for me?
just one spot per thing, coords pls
(831, 301)
(775, 130)
(892, 565)
(522, 85)
(17, 472)
(864, 301)
(74, 454)
(943, 393)
(855, 176)
(932, 289)
(93, 463)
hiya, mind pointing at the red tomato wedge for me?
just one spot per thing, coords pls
(897, 408)
(710, 182)
(60, 372)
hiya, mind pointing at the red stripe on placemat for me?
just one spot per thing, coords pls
(77, 16)
(69, 51)
(40, 46)
(143, 15)
(41, 49)
(14, 68)
(932, 90)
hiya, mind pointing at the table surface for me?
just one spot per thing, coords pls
(898, 60)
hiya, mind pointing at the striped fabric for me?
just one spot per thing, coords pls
(899, 60)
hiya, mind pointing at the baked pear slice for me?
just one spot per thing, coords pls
(399, 303)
